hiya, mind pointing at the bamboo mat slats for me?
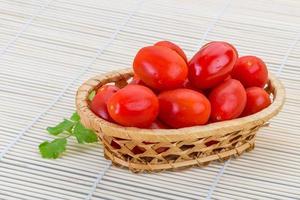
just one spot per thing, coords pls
(48, 48)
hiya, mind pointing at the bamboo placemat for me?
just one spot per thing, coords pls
(47, 48)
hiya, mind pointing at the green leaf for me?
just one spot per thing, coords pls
(92, 95)
(84, 135)
(65, 125)
(75, 117)
(53, 149)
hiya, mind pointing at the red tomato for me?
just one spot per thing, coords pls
(251, 71)
(212, 64)
(160, 67)
(133, 105)
(187, 84)
(228, 77)
(172, 46)
(136, 80)
(257, 99)
(227, 100)
(98, 104)
(183, 107)
(158, 125)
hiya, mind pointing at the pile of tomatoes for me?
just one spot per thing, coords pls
(168, 91)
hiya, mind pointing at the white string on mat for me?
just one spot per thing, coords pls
(278, 73)
(98, 179)
(216, 181)
(291, 47)
(85, 69)
(214, 23)
(25, 27)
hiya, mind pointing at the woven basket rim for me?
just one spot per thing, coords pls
(154, 135)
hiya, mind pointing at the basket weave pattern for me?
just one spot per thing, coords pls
(152, 150)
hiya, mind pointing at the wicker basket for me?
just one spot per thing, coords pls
(174, 148)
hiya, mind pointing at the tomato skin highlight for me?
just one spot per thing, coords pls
(99, 103)
(227, 100)
(183, 108)
(174, 47)
(257, 99)
(212, 64)
(133, 105)
(160, 67)
(251, 71)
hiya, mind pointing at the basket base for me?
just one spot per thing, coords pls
(202, 161)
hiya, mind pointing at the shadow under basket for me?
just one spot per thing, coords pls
(159, 149)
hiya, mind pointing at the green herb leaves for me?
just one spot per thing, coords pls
(75, 117)
(65, 125)
(84, 135)
(67, 128)
(53, 149)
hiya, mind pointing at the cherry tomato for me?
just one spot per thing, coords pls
(172, 46)
(183, 107)
(98, 104)
(136, 80)
(251, 71)
(227, 100)
(228, 77)
(160, 67)
(158, 125)
(212, 64)
(257, 99)
(187, 84)
(133, 105)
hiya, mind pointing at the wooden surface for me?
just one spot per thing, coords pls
(48, 48)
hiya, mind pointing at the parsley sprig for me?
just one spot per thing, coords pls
(64, 130)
